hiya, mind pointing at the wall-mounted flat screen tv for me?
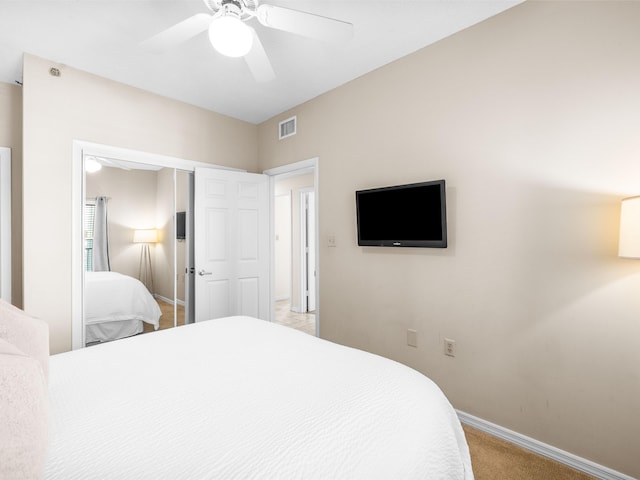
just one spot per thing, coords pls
(412, 215)
(181, 225)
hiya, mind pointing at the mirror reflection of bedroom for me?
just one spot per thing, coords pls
(135, 249)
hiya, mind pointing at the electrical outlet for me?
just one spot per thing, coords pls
(449, 347)
(412, 338)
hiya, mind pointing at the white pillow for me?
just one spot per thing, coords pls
(29, 334)
(24, 402)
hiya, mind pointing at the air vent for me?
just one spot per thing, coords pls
(287, 128)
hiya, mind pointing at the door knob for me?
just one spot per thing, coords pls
(202, 273)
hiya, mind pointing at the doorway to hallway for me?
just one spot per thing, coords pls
(295, 287)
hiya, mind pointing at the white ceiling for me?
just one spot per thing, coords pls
(102, 37)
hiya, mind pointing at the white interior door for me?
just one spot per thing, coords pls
(311, 252)
(231, 230)
(307, 251)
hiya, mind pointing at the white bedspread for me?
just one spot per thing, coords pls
(112, 296)
(240, 398)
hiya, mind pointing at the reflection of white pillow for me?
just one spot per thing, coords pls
(24, 405)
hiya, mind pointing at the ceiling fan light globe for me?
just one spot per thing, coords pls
(91, 165)
(230, 36)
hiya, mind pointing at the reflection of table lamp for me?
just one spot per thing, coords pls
(629, 243)
(145, 237)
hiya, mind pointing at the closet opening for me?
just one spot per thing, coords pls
(137, 247)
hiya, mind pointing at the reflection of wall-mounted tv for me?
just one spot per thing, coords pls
(180, 225)
(412, 215)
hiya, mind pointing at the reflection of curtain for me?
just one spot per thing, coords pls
(101, 237)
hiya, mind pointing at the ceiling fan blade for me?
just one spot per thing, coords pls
(179, 33)
(258, 61)
(305, 24)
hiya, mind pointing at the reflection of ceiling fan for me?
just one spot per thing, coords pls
(231, 36)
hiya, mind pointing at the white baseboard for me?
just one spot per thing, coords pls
(168, 300)
(528, 443)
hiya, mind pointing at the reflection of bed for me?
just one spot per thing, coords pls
(115, 306)
(239, 397)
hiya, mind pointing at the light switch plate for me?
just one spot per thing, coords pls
(412, 338)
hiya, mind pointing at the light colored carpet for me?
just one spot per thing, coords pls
(495, 459)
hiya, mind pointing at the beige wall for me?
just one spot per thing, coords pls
(11, 136)
(80, 106)
(132, 204)
(532, 117)
(282, 246)
(140, 199)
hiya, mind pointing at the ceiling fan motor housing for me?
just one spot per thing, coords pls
(244, 9)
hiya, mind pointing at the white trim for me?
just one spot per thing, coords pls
(80, 150)
(169, 301)
(77, 245)
(294, 169)
(5, 223)
(535, 446)
(296, 309)
(144, 158)
(303, 275)
(302, 270)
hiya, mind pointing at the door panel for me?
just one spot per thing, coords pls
(216, 225)
(248, 229)
(249, 296)
(232, 244)
(217, 298)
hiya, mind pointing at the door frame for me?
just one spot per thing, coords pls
(80, 150)
(304, 240)
(278, 173)
(5, 223)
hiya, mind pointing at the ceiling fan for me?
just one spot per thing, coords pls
(231, 36)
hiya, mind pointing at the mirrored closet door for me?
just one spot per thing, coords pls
(136, 248)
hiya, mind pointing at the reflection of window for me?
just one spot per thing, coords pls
(89, 217)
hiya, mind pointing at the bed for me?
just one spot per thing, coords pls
(241, 398)
(115, 306)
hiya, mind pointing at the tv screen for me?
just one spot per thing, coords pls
(180, 225)
(412, 215)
